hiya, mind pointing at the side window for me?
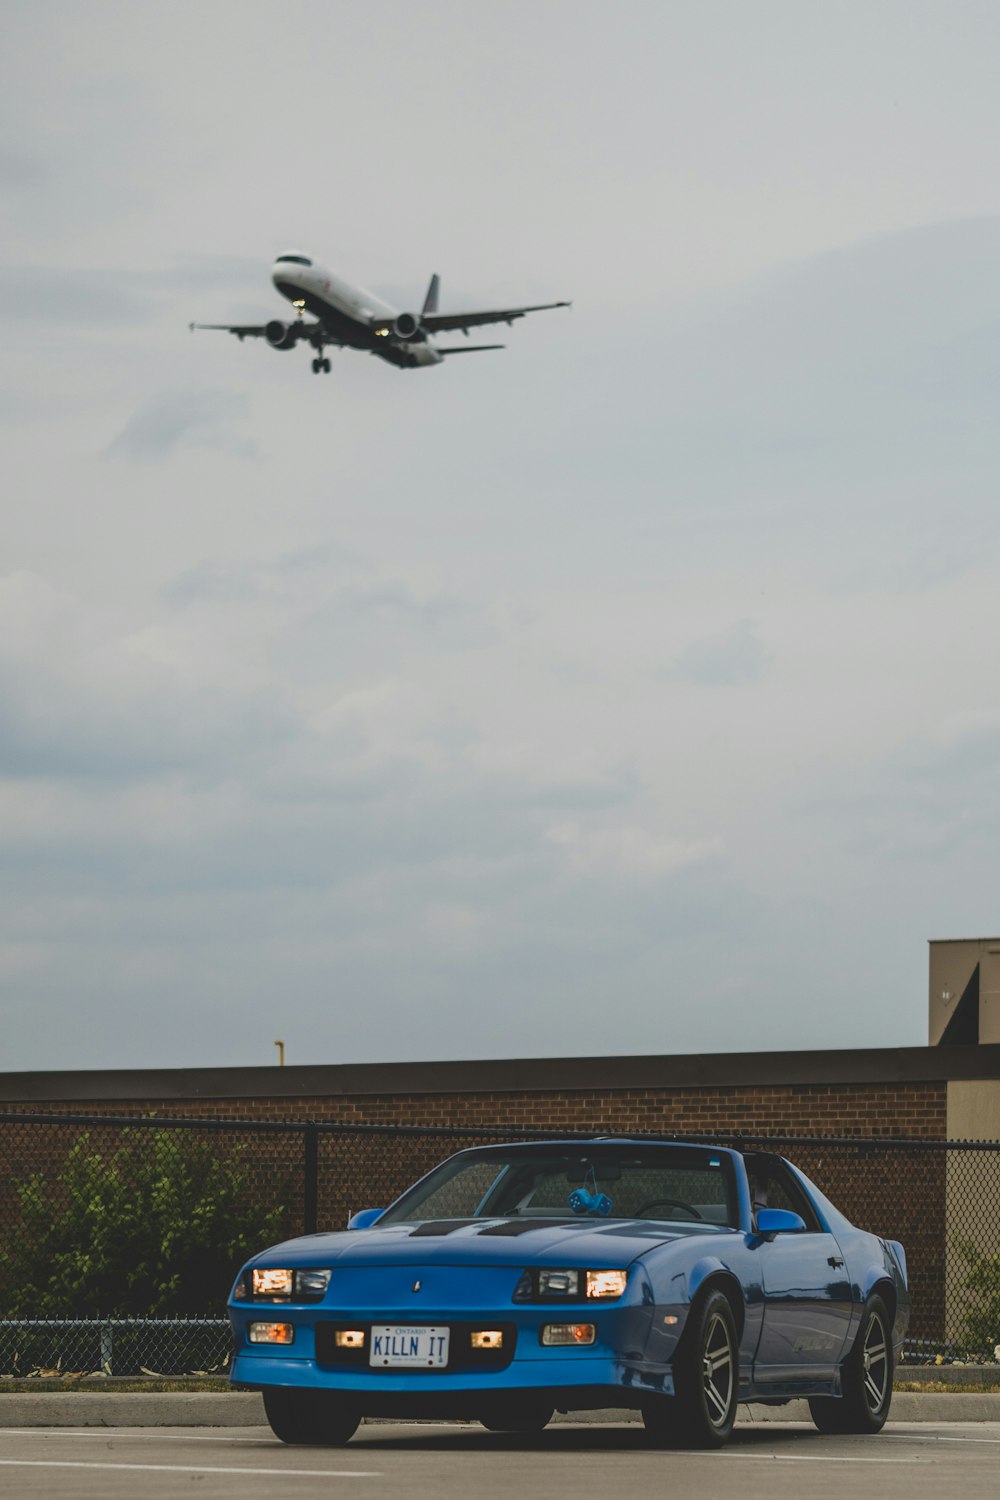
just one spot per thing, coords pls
(773, 1186)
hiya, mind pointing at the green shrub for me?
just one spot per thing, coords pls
(981, 1318)
(159, 1227)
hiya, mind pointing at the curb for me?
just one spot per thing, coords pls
(133, 1409)
(907, 1406)
(244, 1409)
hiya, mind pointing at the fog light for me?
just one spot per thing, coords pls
(569, 1333)
(487, 1338)
(268, 1283)
(271, 1333)
(350, 1338)
(606, 1283)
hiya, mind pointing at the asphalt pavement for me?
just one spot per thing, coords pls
(569, 1461)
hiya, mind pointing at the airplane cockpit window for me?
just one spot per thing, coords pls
(299, 260)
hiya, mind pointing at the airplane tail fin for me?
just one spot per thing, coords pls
(431, 300)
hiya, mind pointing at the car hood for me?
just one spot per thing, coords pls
(487, 1242)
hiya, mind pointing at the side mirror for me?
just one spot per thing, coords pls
(778, 1221)
(365, 1218)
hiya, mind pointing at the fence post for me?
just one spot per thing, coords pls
(310, 1165)
(107, 1347)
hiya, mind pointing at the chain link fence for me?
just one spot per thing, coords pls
(47, 1348)
(120, 1236)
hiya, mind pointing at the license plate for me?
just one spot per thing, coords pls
(400, 1348)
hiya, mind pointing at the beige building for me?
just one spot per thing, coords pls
(964, 1010)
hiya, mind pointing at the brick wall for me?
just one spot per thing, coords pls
(915, 1110)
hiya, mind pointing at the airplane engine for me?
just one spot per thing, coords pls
(279, 335)
(406, 326)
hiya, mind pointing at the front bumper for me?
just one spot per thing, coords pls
(570, 1382)
(617, 1370)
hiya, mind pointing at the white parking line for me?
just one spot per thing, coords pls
(277, 1473)
(936, 1437)
(740, 1456)
(160, 1435)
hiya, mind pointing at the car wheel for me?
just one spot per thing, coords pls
(319, 1418)
(706, 1381)
(865, 1378)
(518, 1416)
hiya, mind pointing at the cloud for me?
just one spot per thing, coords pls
(228, 580)
(80, 698)
(179, 419)
(20, 170)
(929, 805)
(629, 852)
(537, 702)
(729, 659)
(73, 298)
(942, 794)
(335, 592)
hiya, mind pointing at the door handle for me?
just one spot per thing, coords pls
(835, 1261)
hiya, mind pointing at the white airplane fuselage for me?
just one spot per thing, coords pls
(350, 314)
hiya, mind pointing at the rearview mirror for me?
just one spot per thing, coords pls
(365, 1218)
(778, 1221)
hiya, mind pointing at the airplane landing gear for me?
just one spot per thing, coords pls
(321, 365)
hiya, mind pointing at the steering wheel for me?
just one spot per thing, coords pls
(673, 1202)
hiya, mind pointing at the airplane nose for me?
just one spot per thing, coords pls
(287, 280)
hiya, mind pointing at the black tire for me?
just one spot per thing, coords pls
(865, 1378)
(317, 1418)
(706, 1381)
(525, 1415)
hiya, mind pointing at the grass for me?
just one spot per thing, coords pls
(105, 1385)
(947, 1387)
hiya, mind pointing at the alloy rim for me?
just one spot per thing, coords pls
(875, 1354)
(717, 1370)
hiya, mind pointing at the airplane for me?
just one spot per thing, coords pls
(349, 317)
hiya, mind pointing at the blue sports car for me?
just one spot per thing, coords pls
(515, 1280)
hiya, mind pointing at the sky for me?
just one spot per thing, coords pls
(632, 689)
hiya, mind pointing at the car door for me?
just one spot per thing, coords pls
(807, 1293)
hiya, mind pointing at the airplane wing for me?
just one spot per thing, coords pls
(241, 330)
(472, 348)
(313, 333)
(439, 322)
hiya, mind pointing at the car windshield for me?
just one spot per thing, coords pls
(679, 1184)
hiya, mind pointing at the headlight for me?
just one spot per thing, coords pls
(311, 1283)
(606, 1283)
(562, 1285)
(271, 1283)
(306, 1283)
(558, 1283)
